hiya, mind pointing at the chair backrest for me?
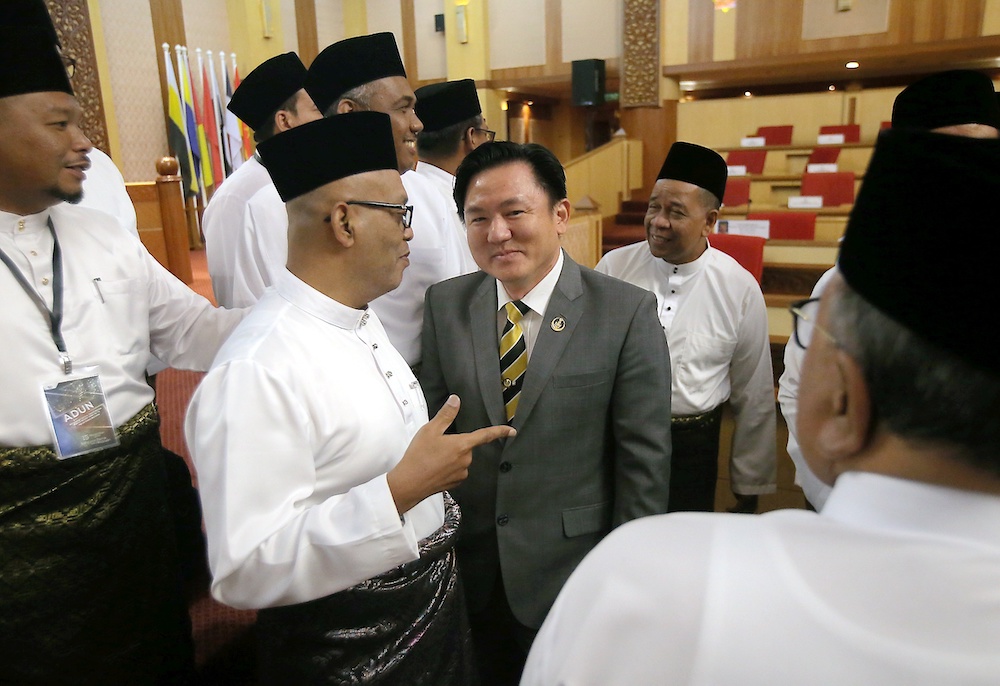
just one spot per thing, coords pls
(824, 155)
(852, 132)
(789, 226)
(776, 135)
(885, 125)
(737, 191)
(837, 188)
(753, 160)
(747, 250)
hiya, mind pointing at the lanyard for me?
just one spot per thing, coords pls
(55, 315)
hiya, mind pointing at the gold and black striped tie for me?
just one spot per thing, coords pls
(513, 356)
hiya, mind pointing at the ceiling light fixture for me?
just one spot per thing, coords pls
(852, 65)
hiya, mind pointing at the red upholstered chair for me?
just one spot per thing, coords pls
(747, 250)
(737, 191)
(798, 226)
(776, 135)
(837, 188)
(885, 125)
(752, 159)
(852, 132)
(824, 155)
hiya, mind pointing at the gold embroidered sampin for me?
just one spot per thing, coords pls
(558, 324)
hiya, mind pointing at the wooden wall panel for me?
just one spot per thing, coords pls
(305, 27)
(701, 30)
(774, 28)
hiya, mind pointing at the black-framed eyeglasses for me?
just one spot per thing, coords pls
(490, 135)
(407, 210)
(804, 315)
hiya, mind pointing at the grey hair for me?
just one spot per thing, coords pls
(363, 95)
(918, 390)
(708, 199)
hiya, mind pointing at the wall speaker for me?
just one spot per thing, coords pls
(588, 82)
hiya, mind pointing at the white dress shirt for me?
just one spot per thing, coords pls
(895, 583)
(537, 300)
(104, 190)
(305, 410)
(713, 313)
(119, 306)
(816, 491)
(229, 236)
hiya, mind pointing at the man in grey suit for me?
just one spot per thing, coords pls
(576, 362)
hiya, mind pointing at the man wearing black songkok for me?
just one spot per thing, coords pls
(321, 477)
(894, 581)
(89, 578)
(714, 315)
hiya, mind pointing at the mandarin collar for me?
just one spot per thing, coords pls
(10, 222)
(898, 505)
(688, 268)
(308, 299)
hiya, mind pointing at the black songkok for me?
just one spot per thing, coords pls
(29, 62)
(441, 105)
(28, 13)
(905, 260)
(266, 88)
(694, 164)
(312, 155)
(351, 63)
(947, 99)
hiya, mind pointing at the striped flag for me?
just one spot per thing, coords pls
(177, 140)
(232, 140)
(191, 121)
(244, 129)
(206, 121)
(218, 150)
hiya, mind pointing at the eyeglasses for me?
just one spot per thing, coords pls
(490, 135)
(804, 316)
(407, 210)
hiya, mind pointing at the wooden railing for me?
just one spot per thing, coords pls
(162, 219)
(607, 175)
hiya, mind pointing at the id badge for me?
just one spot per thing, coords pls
(79, 415)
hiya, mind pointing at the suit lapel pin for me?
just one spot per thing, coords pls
(558, 323)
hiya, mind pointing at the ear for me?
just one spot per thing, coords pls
(710, 219)
(339, 225)
(469, 140)
(281, 122)
(562, 211)
(849, 425)
(345, 106)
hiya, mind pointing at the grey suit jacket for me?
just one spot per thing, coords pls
(593, 443)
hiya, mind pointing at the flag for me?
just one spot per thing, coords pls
(203, 113)
(232, 142)
(244, 129)
(191, 121)
(176, 132)
(218, 158)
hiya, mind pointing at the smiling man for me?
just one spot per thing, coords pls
(321, 477)
(714, 316)
(576, 362)
(89, 575)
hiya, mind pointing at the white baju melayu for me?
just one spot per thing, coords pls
(229, 244)
(816, 491)
(120, 305)
(895, 582)
(444, 183)
(306, 409)
(104, 190)
(713, 313)
(437, 253)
